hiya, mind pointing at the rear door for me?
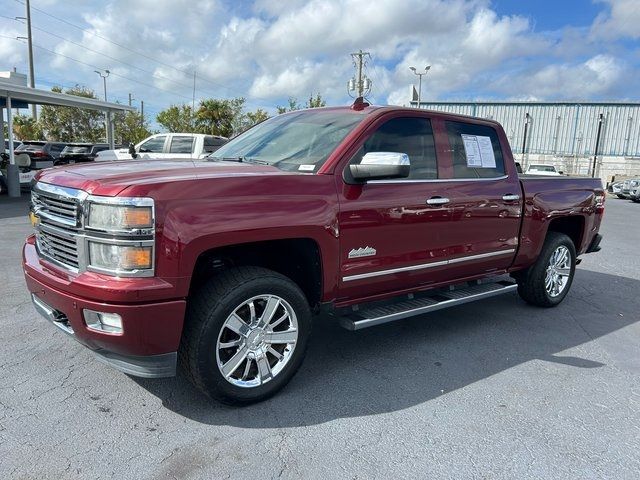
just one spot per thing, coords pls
(484, 197)
(181, 146)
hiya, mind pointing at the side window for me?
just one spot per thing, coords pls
(153, 145)
(182, 144)
(413, 136)
(211, 144)
(476, 151)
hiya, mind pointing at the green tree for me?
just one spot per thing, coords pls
(293, 106)
(26, 128)
(316, 102)
(253, 118)
(131, 127)
(70, 124)
(217, 117)
(177, 118)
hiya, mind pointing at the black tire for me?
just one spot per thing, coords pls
(531, 282)
(619, 196)
(207, 311)
(3, 186)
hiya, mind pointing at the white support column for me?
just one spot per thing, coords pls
(13, 173)
(110, 132)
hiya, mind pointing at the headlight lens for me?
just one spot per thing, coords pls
(120, 257)
(119, 217)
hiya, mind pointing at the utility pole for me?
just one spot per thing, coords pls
(32, 78)
(361, 84)
(141, 113)
(595, 153)
(420, 74)
(131, 99)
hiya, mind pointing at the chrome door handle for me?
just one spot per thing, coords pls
(510, 197)
(437, 201)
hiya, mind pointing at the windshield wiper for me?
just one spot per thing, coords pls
(239, 160)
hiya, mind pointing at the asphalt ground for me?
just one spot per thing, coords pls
(494, 389)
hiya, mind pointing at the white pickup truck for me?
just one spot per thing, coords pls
(168, 145)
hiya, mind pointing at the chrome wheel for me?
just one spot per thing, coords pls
(257, 341)
(558, 271)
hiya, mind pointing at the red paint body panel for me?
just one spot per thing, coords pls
(205, 205)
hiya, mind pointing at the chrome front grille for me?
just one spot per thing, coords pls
(58, 210)
(57, 245)
(56, 207)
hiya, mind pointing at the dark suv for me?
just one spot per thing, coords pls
(81, 152)
(43, 154)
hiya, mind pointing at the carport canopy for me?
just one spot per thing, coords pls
(18, 96)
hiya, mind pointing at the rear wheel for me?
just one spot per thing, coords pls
(245, 335)
(548, 281)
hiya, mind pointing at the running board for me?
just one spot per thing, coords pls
(369, 317)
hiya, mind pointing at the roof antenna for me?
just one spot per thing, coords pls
(359, 104)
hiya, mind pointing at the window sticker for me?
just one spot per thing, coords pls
(307, 168)
(479, 151)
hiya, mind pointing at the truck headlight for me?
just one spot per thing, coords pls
(120, 258)
(119, 217)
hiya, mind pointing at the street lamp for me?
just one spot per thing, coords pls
(104, 80)
(420, 74)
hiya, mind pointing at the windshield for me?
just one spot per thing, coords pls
(31, 146)
(542, 168)
(300, 141)
(77, 149)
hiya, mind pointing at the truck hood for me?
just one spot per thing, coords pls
(111, 178)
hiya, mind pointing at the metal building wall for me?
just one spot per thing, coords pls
(560, 128)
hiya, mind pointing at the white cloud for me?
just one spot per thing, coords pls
(269, 50)
(622, 20)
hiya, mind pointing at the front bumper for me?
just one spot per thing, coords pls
(151, 332)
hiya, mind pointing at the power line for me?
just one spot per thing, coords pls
(97, 67)
(229, 89)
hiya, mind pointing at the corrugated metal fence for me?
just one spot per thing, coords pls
(561, 129)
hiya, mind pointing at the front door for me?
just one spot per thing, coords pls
(390, 237)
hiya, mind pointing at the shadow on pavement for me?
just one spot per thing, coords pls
(397, 366)
(14, 206)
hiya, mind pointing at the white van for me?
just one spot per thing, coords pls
(168, 145)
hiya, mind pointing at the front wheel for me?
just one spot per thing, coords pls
(245, 335)
(548, 281)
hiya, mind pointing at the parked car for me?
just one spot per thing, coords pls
(628, 186)
(81, 152)
(16, 144)
(634, 194)
(615, 188)
(43, 154)
(25, 171)
(168, 145)
(350, 210)
(547, 170)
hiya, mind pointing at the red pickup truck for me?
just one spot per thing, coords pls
(373, 213)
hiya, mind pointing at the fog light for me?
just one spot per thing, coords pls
(103, 322)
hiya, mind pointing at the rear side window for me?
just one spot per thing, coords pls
(476, 151)
(413, 136)
(181, 145)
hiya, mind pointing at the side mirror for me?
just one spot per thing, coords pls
(23, 160)
(381, 165)
(132, 151)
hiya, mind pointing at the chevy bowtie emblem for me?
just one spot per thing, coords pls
(362, 252)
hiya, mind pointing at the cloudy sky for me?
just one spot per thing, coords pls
(268, 50)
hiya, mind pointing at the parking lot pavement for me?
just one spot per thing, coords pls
(494, 389)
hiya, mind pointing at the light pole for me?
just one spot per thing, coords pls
(106, 114)
(420, 74)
